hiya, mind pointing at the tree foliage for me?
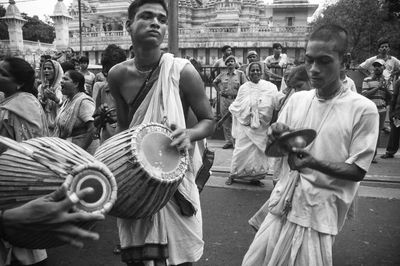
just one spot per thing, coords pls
(366, 24)
(36, 30)
(33, 30)
(3, 26)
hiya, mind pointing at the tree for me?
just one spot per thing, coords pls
(36, 30)
(3, 26)
(365, 24)
(33, 30)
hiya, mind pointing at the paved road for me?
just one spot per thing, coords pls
(373, 238)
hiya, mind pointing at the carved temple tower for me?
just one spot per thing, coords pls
(14, 22)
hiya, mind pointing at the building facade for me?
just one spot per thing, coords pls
(204, 27)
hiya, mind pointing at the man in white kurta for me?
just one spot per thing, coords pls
(321, 180)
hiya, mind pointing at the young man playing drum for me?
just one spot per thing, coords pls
(156, 87)
(317, 184)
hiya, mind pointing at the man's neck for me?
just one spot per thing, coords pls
(383, 56)
(231, 70)
(147, 58)
(276, 56)
(329, 91)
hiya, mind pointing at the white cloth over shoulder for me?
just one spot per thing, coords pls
(182, 234)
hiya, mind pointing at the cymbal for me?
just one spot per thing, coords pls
(299, 138)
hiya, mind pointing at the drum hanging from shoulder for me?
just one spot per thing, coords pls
(37, 167)
(147, 168)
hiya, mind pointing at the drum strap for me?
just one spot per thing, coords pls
(145, 88)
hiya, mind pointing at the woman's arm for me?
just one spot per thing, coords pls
(91, 130)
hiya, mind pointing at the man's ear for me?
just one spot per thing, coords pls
(128, 25)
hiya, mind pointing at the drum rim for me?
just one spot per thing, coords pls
(98, 166)
(182, 166)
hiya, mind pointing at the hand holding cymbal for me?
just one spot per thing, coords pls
(283, 145)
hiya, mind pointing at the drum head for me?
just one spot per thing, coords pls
(155, 153)
(101, 185)
(299, 138)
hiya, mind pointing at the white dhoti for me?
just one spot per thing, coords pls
(280, 242)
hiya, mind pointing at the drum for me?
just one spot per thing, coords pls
(39, 166)
(147, 168)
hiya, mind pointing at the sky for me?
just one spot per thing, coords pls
(46, 7)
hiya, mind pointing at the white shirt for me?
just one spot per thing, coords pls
(282, 60)
(349, 84)
(347, 132)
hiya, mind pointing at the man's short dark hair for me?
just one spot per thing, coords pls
(276, 45)
(67, 65)
(225, 47)
(134, 6)
(332, 32)
(84, 59)
(112, 55)
(383, 41)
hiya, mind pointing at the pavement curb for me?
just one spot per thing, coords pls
(363, 191)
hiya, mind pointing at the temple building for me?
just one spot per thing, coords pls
(204, 27)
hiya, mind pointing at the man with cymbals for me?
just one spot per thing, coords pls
(317, 183)
(156, 87)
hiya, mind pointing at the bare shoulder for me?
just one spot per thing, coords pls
(189, 69)
(119, 69)
(190, 78)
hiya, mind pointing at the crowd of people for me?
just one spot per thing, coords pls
(314, 186)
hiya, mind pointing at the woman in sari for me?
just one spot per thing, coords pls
(74, 121)
(50, 94)
(252, 112)
(21, 118)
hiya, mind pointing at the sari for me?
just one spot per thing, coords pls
(50, 107)
(21, 118)
(71, 119)
(167, 234)
(251, 113)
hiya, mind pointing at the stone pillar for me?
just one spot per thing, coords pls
(14, 22)
(61, 20)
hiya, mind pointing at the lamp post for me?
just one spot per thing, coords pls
(173, 36)
(80, 27)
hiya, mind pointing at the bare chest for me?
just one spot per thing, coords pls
(131, 86)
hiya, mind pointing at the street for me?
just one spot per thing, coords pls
(372, 238)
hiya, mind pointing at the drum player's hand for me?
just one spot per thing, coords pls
(180, 138)
(299, 159)
(276, 130)
(53, 213)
